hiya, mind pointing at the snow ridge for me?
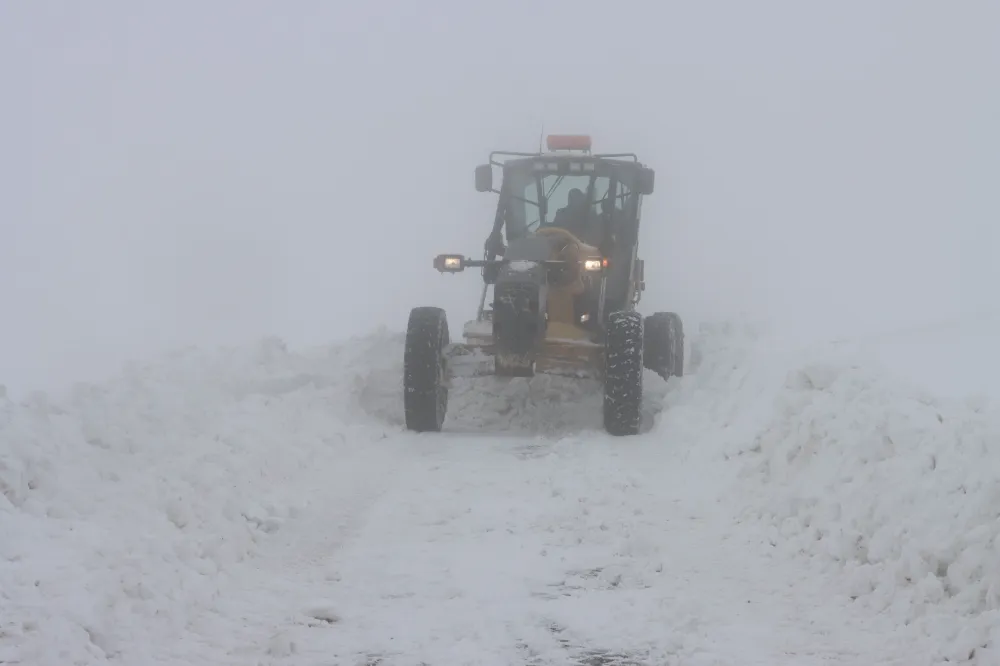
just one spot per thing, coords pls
(894, 489)
(124, 508)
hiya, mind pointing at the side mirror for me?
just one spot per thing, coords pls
(484, 178)
(646, 180)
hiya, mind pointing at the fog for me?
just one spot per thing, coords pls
(211, 173)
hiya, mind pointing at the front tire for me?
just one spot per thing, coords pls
(623, 369)
(425, 388)
(664, 340)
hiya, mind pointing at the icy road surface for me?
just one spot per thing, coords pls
(265, 507)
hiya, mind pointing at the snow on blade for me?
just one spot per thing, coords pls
(265, 506)
(521, 265)
(543, 405)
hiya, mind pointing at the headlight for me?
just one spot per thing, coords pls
(594, 264)
(449, 263)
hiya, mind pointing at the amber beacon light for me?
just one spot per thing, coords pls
(569, 142)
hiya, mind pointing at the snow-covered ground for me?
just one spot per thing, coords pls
(785, 505)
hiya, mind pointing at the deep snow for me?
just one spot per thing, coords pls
(265, 506)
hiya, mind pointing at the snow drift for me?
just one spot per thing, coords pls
(126, 508)
(871, 477)
(143, 515)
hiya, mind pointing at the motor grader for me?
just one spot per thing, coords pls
(562, 262)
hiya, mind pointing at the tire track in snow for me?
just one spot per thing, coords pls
(582, 553)
(287, 584)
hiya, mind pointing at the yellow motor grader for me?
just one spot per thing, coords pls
(562, 261)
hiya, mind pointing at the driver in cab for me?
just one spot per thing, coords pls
(575, 217)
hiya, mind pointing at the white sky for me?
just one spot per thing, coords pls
(203, 173)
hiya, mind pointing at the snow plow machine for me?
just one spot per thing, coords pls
(562, 261)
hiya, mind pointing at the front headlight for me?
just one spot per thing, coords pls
(449, 263)
(594, 264)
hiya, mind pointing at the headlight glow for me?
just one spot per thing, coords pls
(449, 263)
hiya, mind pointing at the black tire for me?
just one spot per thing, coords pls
(425, 386)
(623, 373)
(664, 340)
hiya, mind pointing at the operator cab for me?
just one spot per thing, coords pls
(594, 197)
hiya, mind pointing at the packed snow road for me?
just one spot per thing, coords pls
(266, 507)
(486, 551)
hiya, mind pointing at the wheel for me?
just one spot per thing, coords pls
(425, 389)
(664, 340)
(623, 373)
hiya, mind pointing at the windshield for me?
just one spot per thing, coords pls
(527, 187)
(524, 214)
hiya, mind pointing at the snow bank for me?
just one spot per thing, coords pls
(125, 507)
(887, 485)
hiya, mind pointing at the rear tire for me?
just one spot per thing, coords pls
(664, 340)
(623, 369)
(425, 388)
